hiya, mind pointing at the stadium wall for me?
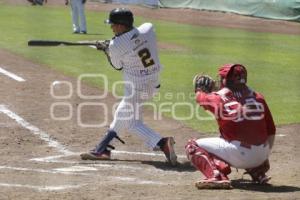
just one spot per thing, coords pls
(272, 9)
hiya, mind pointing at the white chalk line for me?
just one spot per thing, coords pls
(137, 181)
(132, 167)
(55, 159)
(52, 143)
(73, 170)
(11, 75)
(143, 153)
(35, 130)
(281, 135)
(42, 188)
(54, 171)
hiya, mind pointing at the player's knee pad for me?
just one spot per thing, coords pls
(209, 164)
(190, 148)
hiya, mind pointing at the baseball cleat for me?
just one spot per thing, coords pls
(213, 184)
(263, 179)
(96, 156)
(168, 149)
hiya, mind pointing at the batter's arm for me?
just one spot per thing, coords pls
(107, 49)
(114, 57)
(110, 61)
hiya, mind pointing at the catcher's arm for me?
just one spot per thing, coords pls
(204, 83)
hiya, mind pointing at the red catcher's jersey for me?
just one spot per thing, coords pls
(242, 116)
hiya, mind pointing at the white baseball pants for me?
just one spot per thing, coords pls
(237, 156)
(129, 113)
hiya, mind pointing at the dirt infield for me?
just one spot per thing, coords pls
(40, 156)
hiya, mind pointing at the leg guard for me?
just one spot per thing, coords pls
(222, 166)
(207, 163)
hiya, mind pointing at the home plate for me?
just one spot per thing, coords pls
(76, 169)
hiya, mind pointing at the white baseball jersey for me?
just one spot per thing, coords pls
(135, 52)
(78, 13)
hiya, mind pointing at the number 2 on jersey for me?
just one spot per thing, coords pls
(145, 56)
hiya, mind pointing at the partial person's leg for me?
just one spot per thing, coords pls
(129, 115)
(233, 153)
(82, 18)
(214, 169)
(258, 174)
(253, 158)
(75, 16)
(101, 151)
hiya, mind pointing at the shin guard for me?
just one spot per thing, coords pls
(207, 163)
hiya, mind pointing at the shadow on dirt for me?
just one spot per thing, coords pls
(243, 184)
(162, 165)
(180, 167)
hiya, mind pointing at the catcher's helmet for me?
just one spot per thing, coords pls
(120, 16)
(233, 74)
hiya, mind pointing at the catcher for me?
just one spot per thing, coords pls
(247, 130)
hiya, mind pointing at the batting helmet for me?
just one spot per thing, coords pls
(120, 16)
(233, 74)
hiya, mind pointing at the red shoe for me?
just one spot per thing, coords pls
(213, 183)
(96, 156)
(168, 149)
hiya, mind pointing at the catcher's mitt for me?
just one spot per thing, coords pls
(204, 83)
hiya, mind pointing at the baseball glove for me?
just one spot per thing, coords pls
(204, 83)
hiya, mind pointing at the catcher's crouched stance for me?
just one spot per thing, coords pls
(247, 130)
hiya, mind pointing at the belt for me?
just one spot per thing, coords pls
(245, 145)
(248, 146)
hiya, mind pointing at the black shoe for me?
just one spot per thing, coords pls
(76, 32)
(83, 32)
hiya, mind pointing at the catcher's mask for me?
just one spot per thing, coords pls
(233, 76)
(120, 16)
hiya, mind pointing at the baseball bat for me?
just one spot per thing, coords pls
(58, 43)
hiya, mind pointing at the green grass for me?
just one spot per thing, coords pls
(272, 59)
